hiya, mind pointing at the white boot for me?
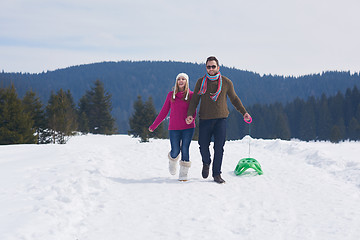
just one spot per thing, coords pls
(172, 164)
(184, 169)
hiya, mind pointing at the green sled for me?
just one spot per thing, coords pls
(247, 163)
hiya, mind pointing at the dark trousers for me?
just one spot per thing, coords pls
(215, 128)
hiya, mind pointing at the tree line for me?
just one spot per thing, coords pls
(125, 80)
(333, 118)
(27, 120)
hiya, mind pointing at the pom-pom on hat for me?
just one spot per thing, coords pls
(187, 81)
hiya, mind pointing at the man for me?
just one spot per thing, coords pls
(213, 90)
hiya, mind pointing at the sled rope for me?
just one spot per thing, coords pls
(247, 163)
(249, 139)
(248, 122)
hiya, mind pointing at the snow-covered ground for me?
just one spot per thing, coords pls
(113, 187)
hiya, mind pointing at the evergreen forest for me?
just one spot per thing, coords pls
(107, 98)
(29, 121)
(126, 80)
(332, 118)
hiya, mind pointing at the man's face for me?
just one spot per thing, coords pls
(212, 68)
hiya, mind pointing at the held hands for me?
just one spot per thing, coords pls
(189, 120)
(247, 118)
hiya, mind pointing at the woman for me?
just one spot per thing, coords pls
(180, 133)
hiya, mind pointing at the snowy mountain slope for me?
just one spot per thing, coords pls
(113, 187)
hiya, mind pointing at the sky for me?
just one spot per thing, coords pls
(279, 37)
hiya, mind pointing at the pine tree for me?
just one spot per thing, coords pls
(336, 107)
(349, 108)
(352, 101)
(95, 111)
(357, 114)
(150, 115)
(324, 120)
(294, 114)
(137, 125)
(307, 129)
(34, 107)
(16, 126)
(278, 126)
(259, 128)
(143, 116)
(335, 135)
(340, 124)
(281, 126)
(84, 109)
(61, 116)
(354, 129)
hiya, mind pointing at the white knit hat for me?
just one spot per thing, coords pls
(187, 80)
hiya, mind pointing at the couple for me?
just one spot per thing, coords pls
(213, 90)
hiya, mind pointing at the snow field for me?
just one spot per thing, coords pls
(113, 187)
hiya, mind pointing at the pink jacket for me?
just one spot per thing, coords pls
(178, 112)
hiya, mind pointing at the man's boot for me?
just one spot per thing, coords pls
(218, 179)
(205, 170)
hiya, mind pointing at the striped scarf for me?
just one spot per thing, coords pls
(214, 96)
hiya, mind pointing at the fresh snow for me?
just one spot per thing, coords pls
(114, 187)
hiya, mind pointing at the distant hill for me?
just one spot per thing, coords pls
(125, 80)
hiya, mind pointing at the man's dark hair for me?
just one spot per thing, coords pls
(212, 58)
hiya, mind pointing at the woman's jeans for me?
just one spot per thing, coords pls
(209, 128)
(180, 141)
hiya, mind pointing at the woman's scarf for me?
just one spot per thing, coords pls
(214, 96)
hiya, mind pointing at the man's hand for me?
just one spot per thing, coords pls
(189, 119)
(150, 130)
(247, 117)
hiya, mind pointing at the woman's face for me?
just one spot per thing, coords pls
(181, 82)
